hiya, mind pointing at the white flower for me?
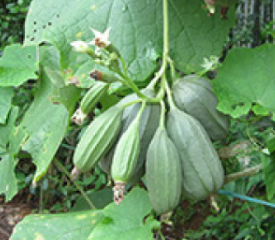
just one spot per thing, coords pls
(80, 46)
(101, 40)
(211, 63)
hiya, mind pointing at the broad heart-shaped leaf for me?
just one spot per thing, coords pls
(8, 181)
(68, 226)
(18, 65)
(6, 95)
(7, 129)
(247, 77)
(136, 30)
(125, 221)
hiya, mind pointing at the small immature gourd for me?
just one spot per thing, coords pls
(98, 138)
(89, 101)
(195, 96)
(202, 170)
(147, 127)
(126, 153)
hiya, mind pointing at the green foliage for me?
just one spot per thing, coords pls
(239, 92)
(12, 16)
(17, 65)
(139, 36)
(139, 41)
(5, 103)
(106, 224)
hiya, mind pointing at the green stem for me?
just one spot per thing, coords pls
(41, 199)
(79, 188)
(172, 69)
(165, 32)
(131, 103)
(162, 116)
(141, 110)
(165, 56)
(170, 98)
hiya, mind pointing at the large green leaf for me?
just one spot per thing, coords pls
(46, 125)
(125, 221)
(68, 226)
(6, 130)
(136, 29)
(99, 198)
(5, 103)
(246, 81)
(8, 181)
(18, 65)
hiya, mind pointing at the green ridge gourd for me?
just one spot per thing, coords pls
(195, 96)
(125, 157)
(98, 138)
(163, 173)
(202, 170)
(148, 125)
(89, 101)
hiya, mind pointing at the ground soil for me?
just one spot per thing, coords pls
(12, 213)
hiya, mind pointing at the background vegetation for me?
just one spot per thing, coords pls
(235, 219)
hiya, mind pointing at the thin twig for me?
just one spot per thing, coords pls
(79, 188)
(246, 173)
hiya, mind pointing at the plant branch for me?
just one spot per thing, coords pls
(246, 173)
(79, 188)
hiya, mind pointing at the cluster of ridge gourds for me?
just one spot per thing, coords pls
(172, 150)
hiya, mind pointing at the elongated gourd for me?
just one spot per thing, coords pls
(195, 96)
(98, 138)
(163, 173)
(202, 170)
(148, 125)
(126, 154)
(89, 101)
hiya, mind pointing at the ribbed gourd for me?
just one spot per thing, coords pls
(93, 96)
(163, 173)
(126, 154)
(89, 101)
(147, 127)
(98, 138)
(195, 96)
(202, 170)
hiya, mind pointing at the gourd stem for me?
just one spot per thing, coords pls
(172, 69)
(162, 116)
(170, 98)
(79, 188)
(141, 110)
(246, 173)
(131, 103)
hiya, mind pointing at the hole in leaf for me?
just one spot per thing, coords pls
(237, 105)
(44, 26)
(49, 23)
(32, 39)
(34, 23)
(34, 30)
